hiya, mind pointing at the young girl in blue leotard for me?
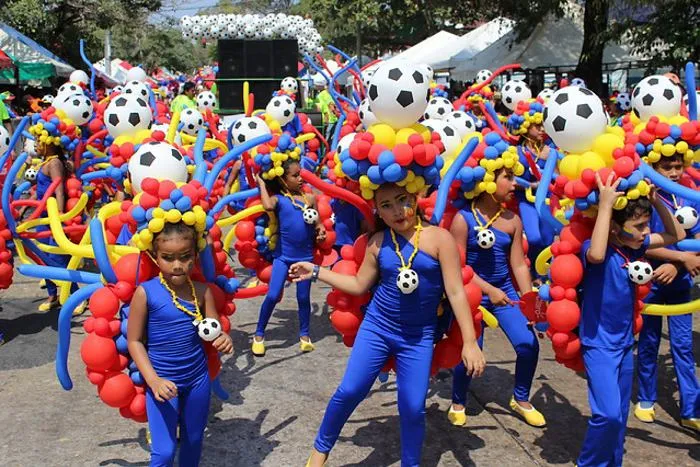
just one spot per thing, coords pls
(299, 227)
(398, 322)
(168, 351)
(492, 266)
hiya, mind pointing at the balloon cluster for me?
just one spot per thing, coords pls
(256, 238)
(164, 202)
(270, 156)
(254, 26)
(409, 157)
(52, 127)
(526, 114)
(6, 270)
(658, 139)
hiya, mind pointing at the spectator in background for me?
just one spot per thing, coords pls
(4, 112)
(184, 100)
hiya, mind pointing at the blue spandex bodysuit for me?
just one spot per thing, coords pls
(295, 243)
(176, 353)
(398, 325)
(492, 266)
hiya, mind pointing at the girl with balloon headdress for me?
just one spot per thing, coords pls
(493, 238)
(281, 192)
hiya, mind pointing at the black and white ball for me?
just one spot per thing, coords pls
(515, 91)
(30, 174)
(126, 115)
(282, 109)
(68, 89)
(656, 95)
(77, 107)
(48, 98)
(483, 75)
(206, 100)
(640, 272)
(574, 117)
(398, 93)
(438, 108)
(449, 135)
(289, 84)
(366, 77)
(310, 215)
(624, 101)
(578, 82)
(157, 160)
(4, 140)
(191, 121)
(366, 116)
(546, 94)
(407, 281)
(209, 329)
(485, 238)
(138, 89)
(247, 128)
(462, 122)
(687, 217)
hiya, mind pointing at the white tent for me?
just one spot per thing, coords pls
(555, 43)
(478, 39)
(432, 51)
(24, 50)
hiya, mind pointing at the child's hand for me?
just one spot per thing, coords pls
(320, 233)
(259, 180)
(691, 263)
(498, 297)
(473, 359)
(301, 271)
(545, 152)
(163, 389)
(665, 274)
(608, 190)
(223, 343)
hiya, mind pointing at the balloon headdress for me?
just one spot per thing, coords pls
(658, 139)
(270, 157)
(53, 127)
(526, 114)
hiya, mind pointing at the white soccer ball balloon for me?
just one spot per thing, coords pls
(546, 94)
(126, 115)
(624, 101)
(310, 216)
(137, 89)
(191, 121)
(438, 108)
(367, 117)
(449, 135)
(78, 77)
(68, 89)
(206, 100)
(289, 84)
(407, 281)
(398, 93)
(209, 329)
(656, 95)
(687, 217)
(157, 160)
(281, 108)
(248, 128)
(136, 74)
(640, 272)
(573, 118)
(483, 75)
(513, 92)
(486, 239)
(4, 140)
(462, 122)
(30, 174)
(78, 107)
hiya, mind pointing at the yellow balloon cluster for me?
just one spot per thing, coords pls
(509, 160)
(278, 158)
(669, 150)
(535, 119)
(599, 156)
(196, 218)
(641, 190)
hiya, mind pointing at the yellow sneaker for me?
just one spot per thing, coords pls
(532, 417)
(457, 417)
(258, 348)
(644, 415)
(691, 423)
(306, 346)
(80, 309)
(49, 305)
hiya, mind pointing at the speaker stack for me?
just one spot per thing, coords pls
(263, 63)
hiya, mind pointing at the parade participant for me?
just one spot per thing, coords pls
(492, 266)
(168, 350)
(184, 100)
(397, 323)
(619, 238)
(673, 273)
(298, 229)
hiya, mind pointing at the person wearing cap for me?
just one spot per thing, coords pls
(184, 100)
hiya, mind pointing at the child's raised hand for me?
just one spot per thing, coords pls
(223, 343)
(608, 190)
(163, 389)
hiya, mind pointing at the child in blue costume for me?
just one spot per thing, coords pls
(168, 351)
(492, 273)
(673, 274)
(349, 223)
(607, 315)
(398, 322)
(298, 229)
(54, 167)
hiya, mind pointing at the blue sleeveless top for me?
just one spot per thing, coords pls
(295, 241)
(492, 264)
(173, 345)
(43, 182)
(412, 314)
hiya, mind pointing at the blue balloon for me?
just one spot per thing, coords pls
(466, 174)
(136, 377)
(259, 230)
(479, 172)
(491, 152)
(502, 146)
(122, 345)
(675, 132)
(393, 173)
(542, 327)
(581, 204)
(386, 158)
(123, 326)
(624, 185)
(184, 204)
(592, 197)
(492, 138)
(349, 167)
(363, 166)
(176, 194)
(167, 205)
(375, 175)
(544, 292)
(99, 247)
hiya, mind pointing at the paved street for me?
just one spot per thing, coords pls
(277, 402)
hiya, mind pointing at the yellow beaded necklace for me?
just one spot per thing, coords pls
(294, 201)
(407, 264)
(197, 315)
(482, 226)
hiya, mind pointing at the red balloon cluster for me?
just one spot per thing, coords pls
(313, 146)
(566, 272)
(5, 254)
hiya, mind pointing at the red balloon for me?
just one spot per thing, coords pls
(347, 252)
(348, 268)
(346, 322)
(219, 297)
(454, 335)
(265, 274)
(403, 154)
(446, 355)
(467, 274)
(623, 167)
(138, 405)
(245, 230)
(349, 341)
(340, 193)
(566, 271)
(117, 391)
(123, 290)
(95, 377)
(359, 248)
(563, 315)
(128, 265)
(474, 296)
(99, 353)
(324, 210)
(104, 304)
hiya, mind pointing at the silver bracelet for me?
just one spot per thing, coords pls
(316, 271)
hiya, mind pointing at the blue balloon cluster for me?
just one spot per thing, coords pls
(122, 347)
(52, 128)
(261, 223)
(387, 170)
(440, 92)
(516, 120)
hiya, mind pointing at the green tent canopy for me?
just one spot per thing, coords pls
(34, 61)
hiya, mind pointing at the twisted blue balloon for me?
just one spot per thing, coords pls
(233, 154)
(232, 198)
(97, 238)
(690, 87)
(92, 68)
(543, 189)
(444, 187)
(7, 191)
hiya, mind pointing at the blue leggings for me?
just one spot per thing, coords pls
(521, 337)
(373, 346)
(610, 373)
(189, 410)
(539, 234)
(680, 329)
(280, 270)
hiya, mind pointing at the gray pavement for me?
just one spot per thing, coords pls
(277, 402)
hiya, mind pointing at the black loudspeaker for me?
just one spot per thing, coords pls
(263, 63)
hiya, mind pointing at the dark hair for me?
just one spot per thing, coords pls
(635, 209)
(188, 86)
(277, 185)
(677, 157)
(179, 228)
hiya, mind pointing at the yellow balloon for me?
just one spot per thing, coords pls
(156, 224)
(403, 134)
(423, 131)
(568, 166)
(634, 119)
(383, 134)
(677, 120)
(605, 144)
(590, 160)
(616, 130)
